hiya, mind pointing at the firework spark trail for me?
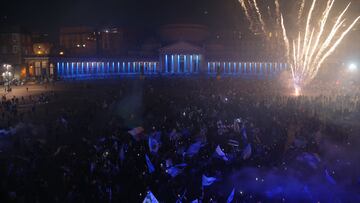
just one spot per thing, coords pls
(323, 21)
(308, 50)
(260, 18)
(315, 60)
(277, 11)
(301, 10)
(336, 44)
(243, 5)
(339, 22)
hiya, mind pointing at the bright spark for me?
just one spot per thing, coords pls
(316, 39)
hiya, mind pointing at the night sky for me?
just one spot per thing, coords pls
(46, 14)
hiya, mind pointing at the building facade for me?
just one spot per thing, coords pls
(177, 49)
(15, 45)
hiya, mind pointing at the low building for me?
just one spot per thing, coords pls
(15, 45)
(176, 49)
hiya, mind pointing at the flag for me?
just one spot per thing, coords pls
(311, 159)
(237, 125)
(329, 178)
(137, 133)
(221, 153)
(150, 198)
(194, 148)
(246, 152)
(122, 153)
(231, 196)
(233, 143)
(153, 145)
(59, 150)
(244, 134)
(207, 181)
(176, 170)
(150, 166)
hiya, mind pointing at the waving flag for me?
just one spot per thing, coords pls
(244, 134)
(194, 149)
(153, 145)
(150, 166)
(246, 152)
(311, 159)
(150, 198)
(176, 170)
(207, 181)
(329, 178)
(221, 153)
(137, 133)
(237, 125)
(122, 153)
(231, 196)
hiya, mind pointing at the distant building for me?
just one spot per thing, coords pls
(174, 49)
(15, 44)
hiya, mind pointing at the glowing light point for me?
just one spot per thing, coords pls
(297, 90)
(352, 67)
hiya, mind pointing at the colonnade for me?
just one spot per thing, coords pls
(182, 63)
(256, 68)
(108, 68)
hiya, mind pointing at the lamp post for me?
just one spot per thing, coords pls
(7, 76)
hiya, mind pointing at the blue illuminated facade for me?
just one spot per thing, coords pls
(179, 59)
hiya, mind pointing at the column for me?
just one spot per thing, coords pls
(191, 63)
(178, 63)
(197, 63)
(185, 64)
(172, 63)
(166, 64)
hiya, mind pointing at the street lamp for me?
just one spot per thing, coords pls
(7, 76)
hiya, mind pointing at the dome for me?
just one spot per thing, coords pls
(184, 32)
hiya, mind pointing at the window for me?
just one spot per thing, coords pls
(15, 49)
(3, 50)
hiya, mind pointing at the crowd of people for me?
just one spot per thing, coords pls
(172, 140)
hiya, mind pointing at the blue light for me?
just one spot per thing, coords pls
(185, 64)
(72, 68)
(82, 67)
(166, 64)
(178, 63)
(172, 63)
(197, 64)
(58, 68)
(191, 63)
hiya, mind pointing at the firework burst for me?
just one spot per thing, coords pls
(314, 41)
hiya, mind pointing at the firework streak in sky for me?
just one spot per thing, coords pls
(316, 38)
